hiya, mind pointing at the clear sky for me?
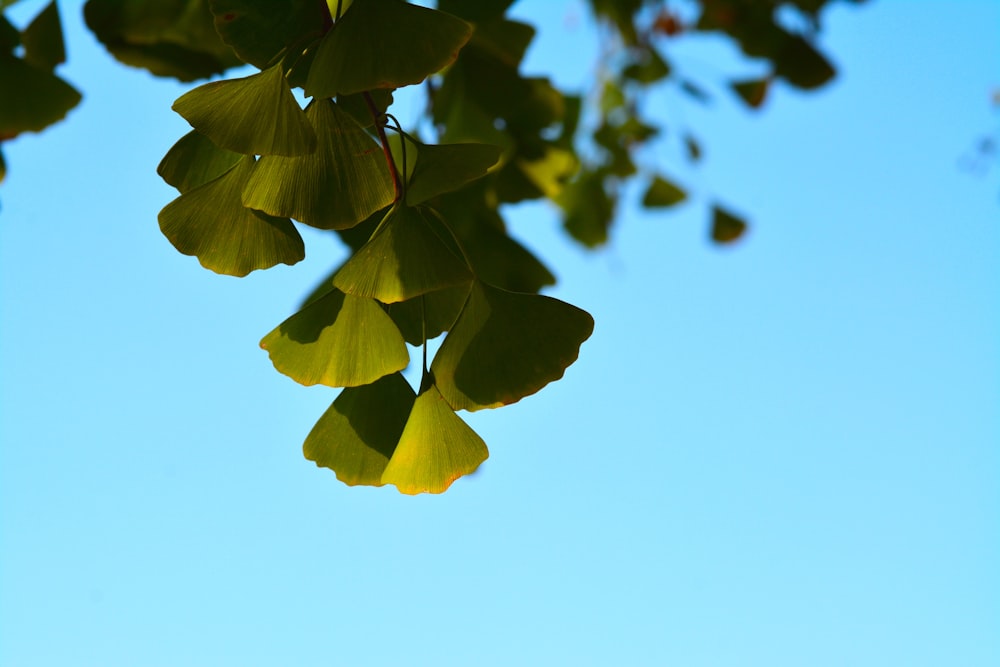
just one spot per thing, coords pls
(783, 453)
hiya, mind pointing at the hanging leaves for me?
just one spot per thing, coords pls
(336, 186)
(194, 160)
(253, 115)
(726, 227)
(211, 223)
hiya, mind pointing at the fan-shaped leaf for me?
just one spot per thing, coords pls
(33, 98)
(194, 160)
(753, 91)
(662, 193)
(404, 258)
(338, 340)
(447, 167)
(435, 449)
(384, 44)
(212, 224)
(505, 346)
(358, 433)
(43, 39)
(429, 315)
(254, 115)
(335, 187)
(726, 227)
(259, 29)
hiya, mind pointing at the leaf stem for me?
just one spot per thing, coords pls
(380, 128)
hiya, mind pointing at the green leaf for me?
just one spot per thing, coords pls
(801, 65)
(258, 30)
(475, 10)
(338, 340)
(357, 434)
(404, 258)
(447, 167)
(435, 449)
(649, 68)
(175, 38)
(506, 346)
(384, 44)
(254, 115)
(429, 315)
(588, 208)
(194, 160)
(753, 92)
(33, 98)
(726, 227)
(43, 39)
(10, 37)
(212, 224)
(336, 186)
(662, 193)
(550, 172)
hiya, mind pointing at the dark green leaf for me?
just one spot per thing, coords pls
(33, 98)
(435, 449)
(384, 44)
(194, 160)
(338, 185)
(338, 340)
(662, 193)
(801, 65)
(726, 227)
(429, 315)
(254, 115)
(404, 258)
(258, 30)
(475, 10)
(753, 91)
(588, 209)
(506, 346)
(357, 434)
(211, 223)
(43, 39)
(446, 167)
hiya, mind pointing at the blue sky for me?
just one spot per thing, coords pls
(782, 453)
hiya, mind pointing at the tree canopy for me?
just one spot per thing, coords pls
(421, 208)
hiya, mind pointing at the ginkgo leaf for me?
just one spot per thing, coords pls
(338, 185)
(358, 433)
(257, 30)
(726, 227)
(194, 160)
(447, 167)
(752, 91)
(254, 115)
(429, 315)
(338, 340)
(212, 224)
(33, 98)
(435, 448)
(662, 193)
(384, 44)
(43, 39)
(404, 258)
(505, 346)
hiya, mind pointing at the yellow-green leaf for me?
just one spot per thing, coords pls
(194, 160)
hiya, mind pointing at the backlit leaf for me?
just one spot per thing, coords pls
(33, 98)
(429, 315)
(446, 167)
(662, 193)
(258, 30)
(254, 115)
(194, 160)
(384, 44)
(336, 186)
(404, 258)
(506, 346)
(211, 223)
(358, 433)
(726, 227)
(435, 449)
(338, 340)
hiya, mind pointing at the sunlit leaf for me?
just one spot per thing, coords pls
(258, 30)
(662, 193)
(506, 346)
(43, 39)
(384, 44)
(211, 223)
(194, 160)
(358, 433)
(405, 258)
(446, 167)
(33, 98)
(726, 227)
(341, 183)
(338, 340)
(435, 449)
(551, 171)
(254, 115)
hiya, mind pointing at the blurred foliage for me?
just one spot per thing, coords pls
(423, 220)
